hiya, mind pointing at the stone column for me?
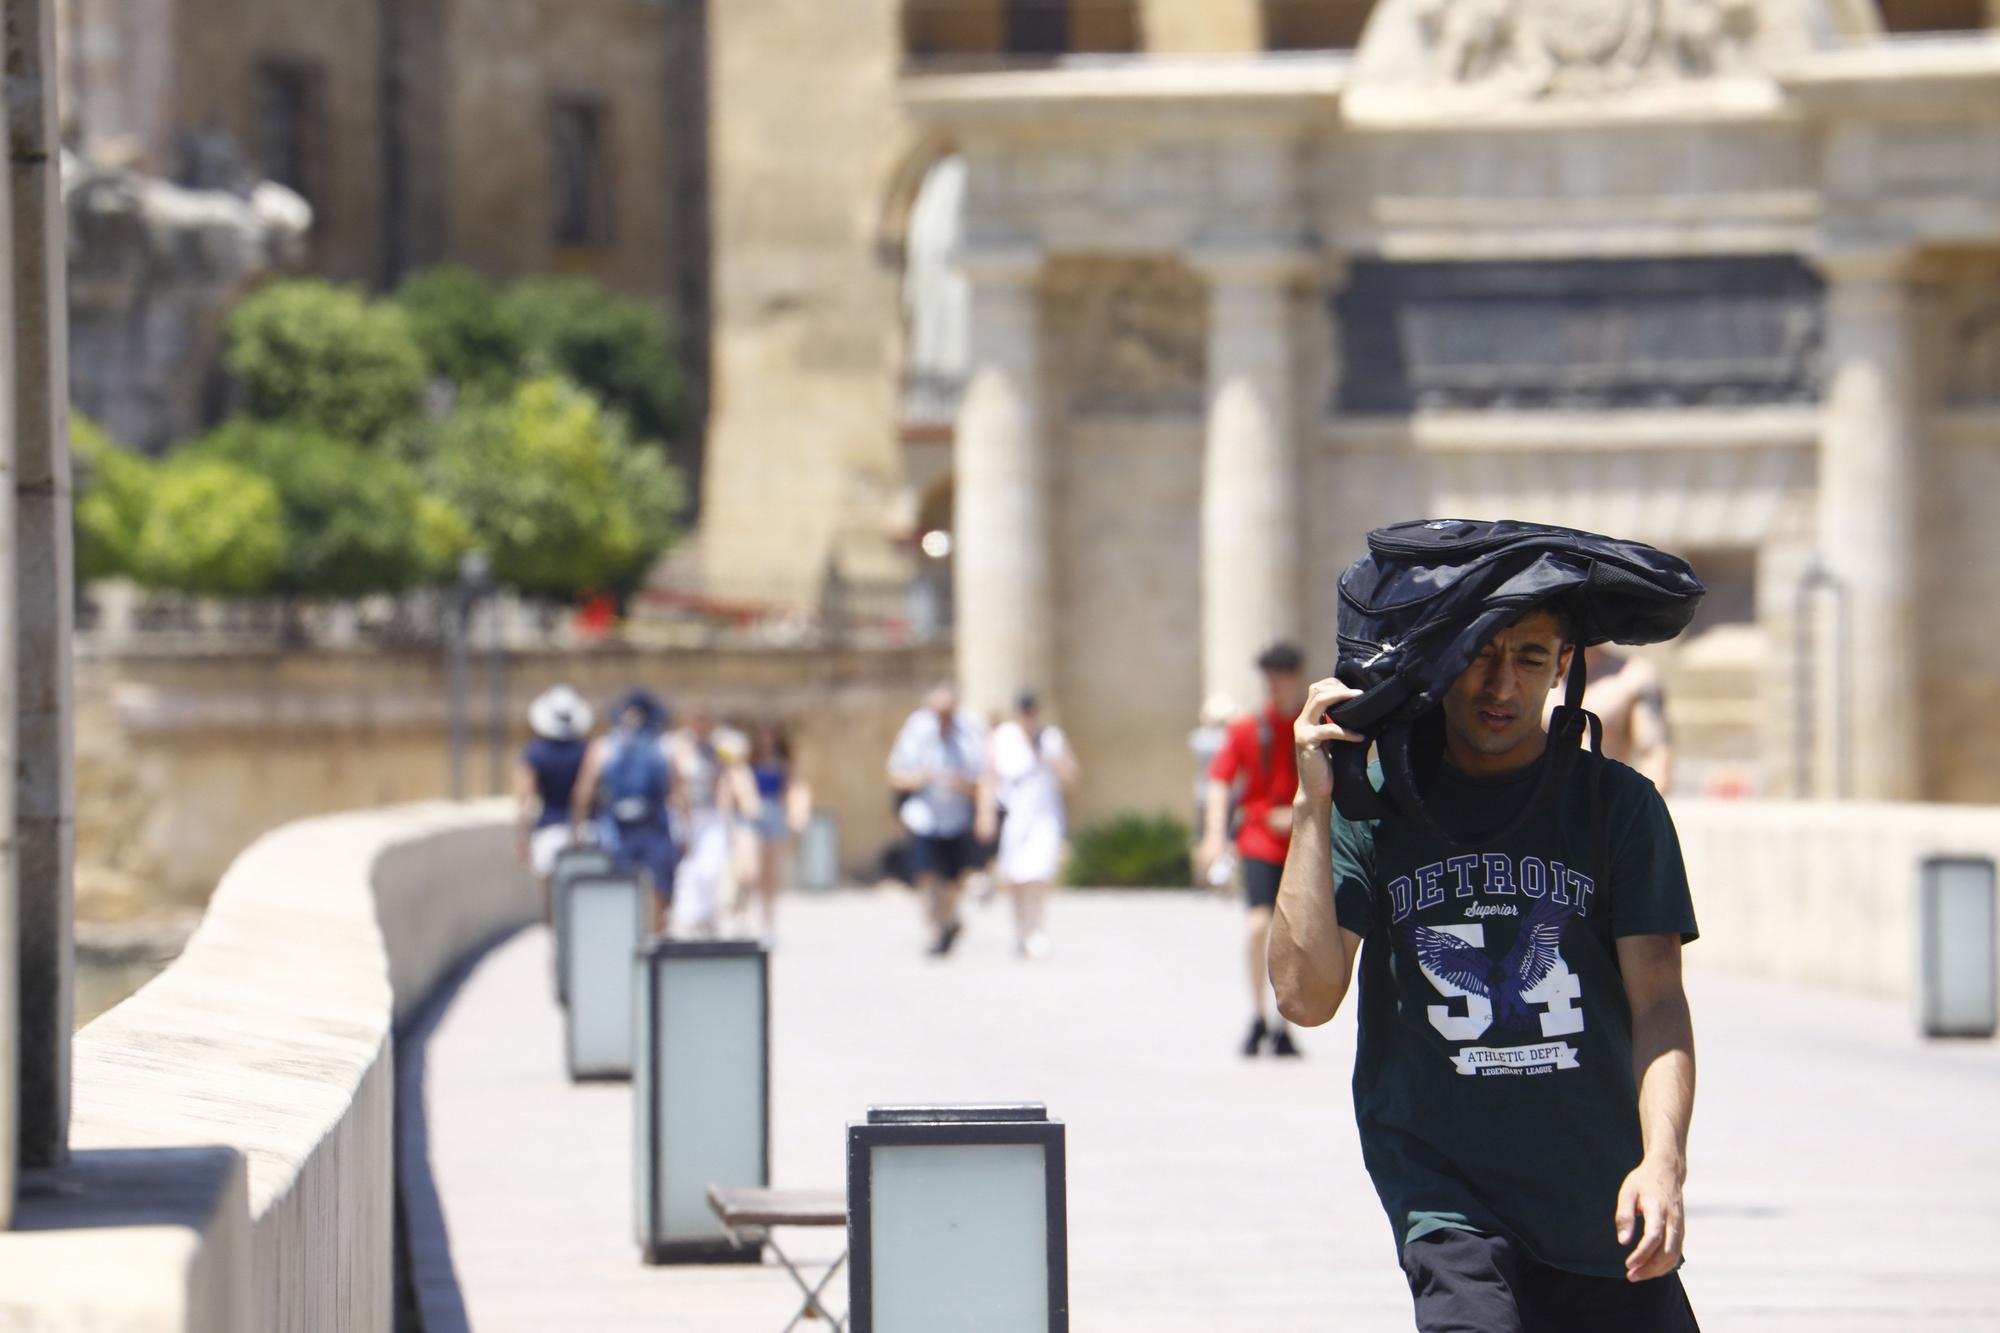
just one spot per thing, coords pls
(1003, 588)
(1251, 477)
(1868, 461)
(43, 587)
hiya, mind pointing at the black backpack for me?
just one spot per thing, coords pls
(1418, 607)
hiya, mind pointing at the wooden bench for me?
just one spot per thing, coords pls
(749, 1214)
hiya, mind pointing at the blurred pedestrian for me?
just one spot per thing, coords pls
(1258, 764)
(625, 778)
(1629, 698)
(1029, 767)
(545, 779)
(712, 784)
(784, 806)
(1204, 743)
(936, 764)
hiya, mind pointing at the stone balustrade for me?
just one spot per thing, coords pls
(268, 1043)
(1820, 893)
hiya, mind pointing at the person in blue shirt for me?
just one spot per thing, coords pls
(545, 778)
(622, 795)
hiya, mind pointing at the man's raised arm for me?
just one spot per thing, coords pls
(1311, 954)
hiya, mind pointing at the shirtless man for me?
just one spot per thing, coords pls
(1626, 693)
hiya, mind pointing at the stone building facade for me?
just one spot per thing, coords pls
(519, 137)
(1715, 274)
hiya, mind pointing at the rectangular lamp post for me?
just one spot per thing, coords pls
(1958, 945)
(957, 1219)
(605, 921)
(570, 865)
(819, 853)
(701, 1094)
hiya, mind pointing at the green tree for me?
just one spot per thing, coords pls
(113, 488)
(353, 518)
(213, 528)
(443, 536)
(555, 492)
(327, 359)
(466, 331)
(621, 350)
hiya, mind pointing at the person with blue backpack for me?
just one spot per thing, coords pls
(622, 794)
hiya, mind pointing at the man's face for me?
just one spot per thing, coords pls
(943, 702)
(1286, 689)
(1493, 711)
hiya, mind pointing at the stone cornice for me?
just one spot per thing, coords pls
(1149, 87)
(1949, 76)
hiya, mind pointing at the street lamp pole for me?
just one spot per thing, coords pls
(473, 580)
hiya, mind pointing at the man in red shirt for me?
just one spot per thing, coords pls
(1257, 763)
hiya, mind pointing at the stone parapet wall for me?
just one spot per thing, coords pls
(233, 1127)
(1820, 893)
(184, 758)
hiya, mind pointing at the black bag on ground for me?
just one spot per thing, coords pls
(1418, 607)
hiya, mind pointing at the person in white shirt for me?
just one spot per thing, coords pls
(1028, 768)
(935, 767)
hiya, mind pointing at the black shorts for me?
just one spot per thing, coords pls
(1260, 881)
(1464, 1282)
(947, 858)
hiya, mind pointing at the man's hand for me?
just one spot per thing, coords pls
(1650, 1200)
(1206, 853)
(1312, 730)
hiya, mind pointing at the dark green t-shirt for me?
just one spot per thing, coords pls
(1493, 1078)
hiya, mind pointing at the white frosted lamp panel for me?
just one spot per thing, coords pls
(710, 1059)
(601, 939)
(959, 1238)
(1959, 981)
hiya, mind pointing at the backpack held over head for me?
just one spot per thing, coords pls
(1429, 594)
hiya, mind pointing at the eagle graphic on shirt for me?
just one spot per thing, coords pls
(1505, 979)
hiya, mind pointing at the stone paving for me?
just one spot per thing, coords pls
(1846, 1175)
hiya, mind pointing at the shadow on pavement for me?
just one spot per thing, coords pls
(428, 1298)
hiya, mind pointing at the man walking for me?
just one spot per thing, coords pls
(1256, 759)
(1524, 1075)
(935, 768)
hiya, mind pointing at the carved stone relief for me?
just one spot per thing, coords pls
(1548, 47)
(1128, 336)
(1973, 378)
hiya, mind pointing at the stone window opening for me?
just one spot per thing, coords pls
(1930, 16)
(290, 127)
(1011, 32)
(1315, 25)
(580, 175)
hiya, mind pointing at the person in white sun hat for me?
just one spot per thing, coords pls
(545, 777)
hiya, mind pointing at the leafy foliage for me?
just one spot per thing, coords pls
(351, 516)
(1131, 851)
(620, 350)
(113, 488)
(467, 333)
(213, 528)
(554, 490)
(326, 359)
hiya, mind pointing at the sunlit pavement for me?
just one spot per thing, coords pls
(1846, 1176)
